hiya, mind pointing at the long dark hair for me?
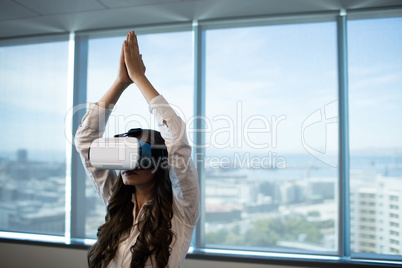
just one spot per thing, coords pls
(155, 221)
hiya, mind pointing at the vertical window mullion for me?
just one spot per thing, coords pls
(344, 196)
(199, 113)
(69, 138)
(79, 109)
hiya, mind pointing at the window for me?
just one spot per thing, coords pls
(169, 62)
(270, 174)
(271, 150)
(375, 97)
(33, 152)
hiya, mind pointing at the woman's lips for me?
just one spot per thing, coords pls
(129, 172)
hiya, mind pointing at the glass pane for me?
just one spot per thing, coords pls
(271, 145)
(169, 62)
(375, 107)
(33, 147)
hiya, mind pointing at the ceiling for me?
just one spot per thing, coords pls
(35, 17)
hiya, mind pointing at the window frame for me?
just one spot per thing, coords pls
(366, 14)
(34, 40)
(75, 187)
(199, 103)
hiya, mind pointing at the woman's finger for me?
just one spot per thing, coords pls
(125, 46)
(135, 43)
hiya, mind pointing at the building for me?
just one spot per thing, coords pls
(376, 213)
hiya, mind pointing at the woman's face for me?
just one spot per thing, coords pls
(138, 177)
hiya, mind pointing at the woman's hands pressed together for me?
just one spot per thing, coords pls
(131, 70)
(136, 68)
(122, 76)
(133, 59)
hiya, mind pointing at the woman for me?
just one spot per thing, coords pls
(151, 214)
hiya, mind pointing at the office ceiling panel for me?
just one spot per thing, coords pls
(32, 17)
(130, 3)
(52, 7)
(10, 10)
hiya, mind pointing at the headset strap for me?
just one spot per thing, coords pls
(134, 132)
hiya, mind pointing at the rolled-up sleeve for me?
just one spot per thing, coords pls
(92, 127)
(183, 173)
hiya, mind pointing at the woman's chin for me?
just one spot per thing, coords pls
(128, 183)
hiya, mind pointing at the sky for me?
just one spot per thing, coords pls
(286, 71)
(274, 86)
(375, 83)
(33, 95)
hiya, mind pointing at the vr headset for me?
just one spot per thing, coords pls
(126, 152)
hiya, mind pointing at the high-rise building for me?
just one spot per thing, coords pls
(376, 214)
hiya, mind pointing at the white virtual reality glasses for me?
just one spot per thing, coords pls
(126, 152)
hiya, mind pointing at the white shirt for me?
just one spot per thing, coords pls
(181, 169)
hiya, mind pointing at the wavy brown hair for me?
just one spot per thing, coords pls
(155, 220)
